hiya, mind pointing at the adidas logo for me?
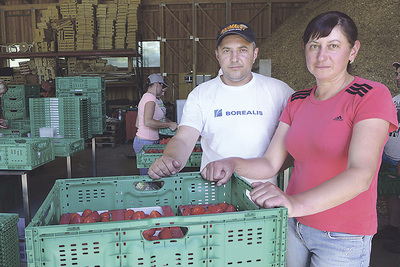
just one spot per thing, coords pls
(338, 118)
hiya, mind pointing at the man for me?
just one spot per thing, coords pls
(391, 158)
(235, 114)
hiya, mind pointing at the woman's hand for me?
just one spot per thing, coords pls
(219, 171)
(268, 195)
(173, 126)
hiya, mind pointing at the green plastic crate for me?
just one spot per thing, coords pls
(24, 124)
(13, 133)
(80, 83)
(99, 125)
(67, 147)
(388, 183)
(251, 237)
(144, 160)
(15, 114)
(96, 96)
(69, 115)
(13, 102)
(166, 131)
(23, 91)
(9, 242)
(25, 153)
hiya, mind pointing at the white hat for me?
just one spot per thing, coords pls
(396, 64)
(156, 78)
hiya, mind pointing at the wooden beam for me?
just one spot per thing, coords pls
(33, 21)
(186, 2)
(3, 26)
(27, 7)
(177, 54)
(177, 20)
(208, 17)
(259, 11)
(194, 48)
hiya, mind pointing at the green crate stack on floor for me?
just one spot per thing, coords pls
(15, 103)
(93, 88)
(9, 243)
(70, 116)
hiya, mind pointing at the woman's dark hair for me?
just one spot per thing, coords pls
(147, 84)
(323, 24)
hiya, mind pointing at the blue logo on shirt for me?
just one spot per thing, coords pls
(218, 112)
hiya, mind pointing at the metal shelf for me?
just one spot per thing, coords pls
(97, 53)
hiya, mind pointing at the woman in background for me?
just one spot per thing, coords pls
(151, 116)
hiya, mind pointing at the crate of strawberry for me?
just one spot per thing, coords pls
(149, 153)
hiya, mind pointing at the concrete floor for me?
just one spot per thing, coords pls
(118, 161)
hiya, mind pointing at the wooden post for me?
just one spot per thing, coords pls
(195, 40)
(33, 21)
(3, 26)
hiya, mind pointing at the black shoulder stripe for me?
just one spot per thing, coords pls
(359, 89)
(300, 94)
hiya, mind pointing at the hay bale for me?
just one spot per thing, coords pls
(377, 22)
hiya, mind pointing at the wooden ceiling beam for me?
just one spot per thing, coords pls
(27, 7)
(184, 2)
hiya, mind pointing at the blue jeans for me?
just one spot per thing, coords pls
(309, 247)
(392, 164)
(138, 143)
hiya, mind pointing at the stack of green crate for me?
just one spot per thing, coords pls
(9, 243)
(69, 115)
(93, 88)
(15, 103)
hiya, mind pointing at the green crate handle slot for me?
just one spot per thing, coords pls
(75, 145)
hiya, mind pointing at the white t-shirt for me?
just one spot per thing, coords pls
(392, 147)
(236, 121)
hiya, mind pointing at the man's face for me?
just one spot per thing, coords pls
(398, 76)
(236, 57)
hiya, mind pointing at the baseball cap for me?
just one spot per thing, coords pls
(239, 28)
(396, 64)
(156, 78)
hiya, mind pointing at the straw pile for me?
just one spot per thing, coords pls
(378, 24)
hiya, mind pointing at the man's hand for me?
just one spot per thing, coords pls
(164, 166)
(219, 171)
